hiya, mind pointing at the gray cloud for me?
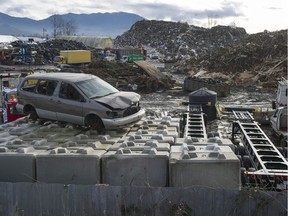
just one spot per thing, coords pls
(162, 11)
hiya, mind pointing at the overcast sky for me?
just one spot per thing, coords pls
(254, 15)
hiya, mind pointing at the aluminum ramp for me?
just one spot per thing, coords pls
(195, 125)
(271, 168)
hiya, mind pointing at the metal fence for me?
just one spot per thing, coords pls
(56, 199)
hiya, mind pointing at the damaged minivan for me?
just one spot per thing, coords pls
(78, 98)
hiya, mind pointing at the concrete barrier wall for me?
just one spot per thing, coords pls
(58, 199)
(140, 156)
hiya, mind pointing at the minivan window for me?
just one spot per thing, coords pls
(95, 88)
(29, 85)
(51, 85)
(46, 87)
(67, 91)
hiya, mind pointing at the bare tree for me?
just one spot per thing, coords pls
(62, 27)
(69, 27)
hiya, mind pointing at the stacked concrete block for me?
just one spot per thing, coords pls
(140, 138)
(135, 168)
(141, 146)
(5, 137)
(210, 166)
(51, 132)
(17, 166)
(78, 166)
(147, 132)
(160, 123)
(204, 142)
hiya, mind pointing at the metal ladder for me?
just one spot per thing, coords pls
(195, 125)
(269, 164)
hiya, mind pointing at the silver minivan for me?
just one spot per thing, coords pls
(78, 98)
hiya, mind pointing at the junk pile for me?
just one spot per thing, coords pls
(122, 76)
(224, 53)
(45, 52)
(129, 77)
(176, 41)
(250, 62)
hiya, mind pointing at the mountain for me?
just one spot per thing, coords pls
(96, 24)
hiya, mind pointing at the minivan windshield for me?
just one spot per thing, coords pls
(95, 88)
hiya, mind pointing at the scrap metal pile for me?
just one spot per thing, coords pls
(123, 76)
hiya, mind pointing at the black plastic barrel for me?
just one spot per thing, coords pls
(207, 99)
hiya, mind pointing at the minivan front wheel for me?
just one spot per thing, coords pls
(95, 123)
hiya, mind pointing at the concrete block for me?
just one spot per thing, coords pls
(17, 166)
(78, 166)
(210, 166)
(135, 168)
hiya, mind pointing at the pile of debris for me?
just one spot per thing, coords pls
(176, 41)
(42, 53)
(251, 61)
(126, 76)
(122, 76)
(225, 53)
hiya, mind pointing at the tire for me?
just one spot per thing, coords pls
(95, 123)
(246, 162)
(241, 150)
(32, 114)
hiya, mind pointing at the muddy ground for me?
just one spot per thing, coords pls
(166, 102)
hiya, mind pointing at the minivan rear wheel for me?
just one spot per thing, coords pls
(95, 123)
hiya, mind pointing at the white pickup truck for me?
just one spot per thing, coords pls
(279, 119)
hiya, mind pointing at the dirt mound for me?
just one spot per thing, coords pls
(176, 41)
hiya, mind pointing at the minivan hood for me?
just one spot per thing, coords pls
(120, 100)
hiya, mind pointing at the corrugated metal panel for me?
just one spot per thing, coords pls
(55, 199)
(95, 42)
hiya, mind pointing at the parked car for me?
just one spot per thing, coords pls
(78, 98)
